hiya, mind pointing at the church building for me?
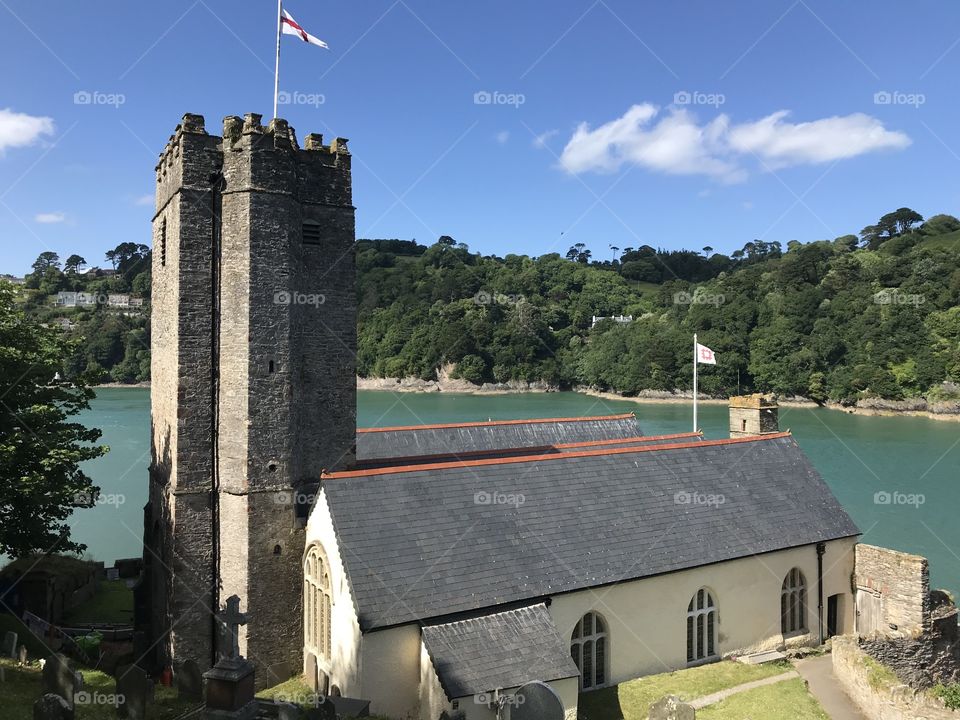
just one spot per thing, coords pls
(430, 569)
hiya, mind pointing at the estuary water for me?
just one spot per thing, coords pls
(898, 477)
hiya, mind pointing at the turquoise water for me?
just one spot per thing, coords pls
(858, 456)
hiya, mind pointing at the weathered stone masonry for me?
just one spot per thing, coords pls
(253, 394)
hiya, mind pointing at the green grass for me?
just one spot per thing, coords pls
(112, 603)
(645, 288)
(631, 700)
(21, 687)
(295, 690)
(787, 700)
(879, 675)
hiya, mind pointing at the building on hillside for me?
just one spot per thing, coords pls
(429, 569)
(69, 298)
(619, 319)
(120, 301)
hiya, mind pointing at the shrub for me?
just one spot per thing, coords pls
(950, 694)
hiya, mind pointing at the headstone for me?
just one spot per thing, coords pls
(9, 647)
(289, 711)
(60, 679)
(324, 711)
(22, 655)
(52, 707)
(310, 672)
(536, 701)
(189, 681)
(671, 708)
(133, 691)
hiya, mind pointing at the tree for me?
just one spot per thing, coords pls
(45, 260)
(40, 448)
(73, 264)
(579, 253)
(128, 258)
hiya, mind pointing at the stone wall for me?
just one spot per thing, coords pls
(928, 659)
(903, 582)
(875, 693)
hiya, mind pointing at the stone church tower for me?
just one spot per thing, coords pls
(253, 382)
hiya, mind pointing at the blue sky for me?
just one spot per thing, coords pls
(609, 122)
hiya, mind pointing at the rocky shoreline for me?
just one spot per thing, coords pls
(452, 385)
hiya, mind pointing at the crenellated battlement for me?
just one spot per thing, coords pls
(235, 127)
(192, 155)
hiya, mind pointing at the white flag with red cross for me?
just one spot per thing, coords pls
(705, 355)
(289, 26)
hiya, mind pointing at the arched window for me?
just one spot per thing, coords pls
(701, 627)
(588, 648)
(793, 603)
(316, 603)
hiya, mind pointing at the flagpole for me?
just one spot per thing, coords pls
(276, 71)
(695, 382)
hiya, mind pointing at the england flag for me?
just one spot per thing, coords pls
(289, 26)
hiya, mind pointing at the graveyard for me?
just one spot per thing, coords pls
(782, 700)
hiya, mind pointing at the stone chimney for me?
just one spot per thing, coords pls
(753, 415)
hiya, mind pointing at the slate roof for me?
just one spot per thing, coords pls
(498, 651)
(422, 542)
(466, 438)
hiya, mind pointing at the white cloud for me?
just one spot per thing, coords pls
(674, 142)
(503, 136)
(49, 218)
(833, 138)
(540, 141)
(144, 200)
(20, 129)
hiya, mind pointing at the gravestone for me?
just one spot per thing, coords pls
(536, 701)
(324, 710)
(60, 679)
(134, 689)
(671, 708)
(22, 655)
(289, 711)
(9, 647)
(190, 681)
(52, 707)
